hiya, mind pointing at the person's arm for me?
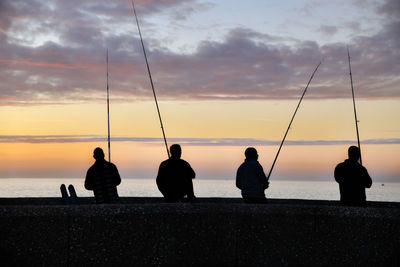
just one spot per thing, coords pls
(367, 178)
(189, 188)
(190, 172)
(161, 176)
(238, 179)
(160, 172)
(263, 178)
(89, 185)
(338, 173)
(116, 178)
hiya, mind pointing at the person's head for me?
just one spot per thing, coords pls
(176, 151)
(98, 154)
(354, 153)
(251, 153)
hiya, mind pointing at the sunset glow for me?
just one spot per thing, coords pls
(228, 74)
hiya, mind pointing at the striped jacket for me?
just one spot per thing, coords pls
(103, 178)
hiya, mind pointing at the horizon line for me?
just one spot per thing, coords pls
(40, 139)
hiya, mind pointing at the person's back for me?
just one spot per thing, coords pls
(353, 179)
(251, 179)
(103, 178)
(174, 178)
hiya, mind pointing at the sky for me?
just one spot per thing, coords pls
(227, 74)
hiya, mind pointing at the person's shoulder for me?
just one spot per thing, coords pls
(341, 168)
(244, 165)
(363, 168)
(253, 163)
(90, 172)
(165, 162)
(177, 161)
(341, 164)
(258, 163)
(91, 168)
(114, 166)
(109, 164)
(184, 162)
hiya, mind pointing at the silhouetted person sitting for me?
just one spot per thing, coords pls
(353, 179)
(251, 179)
(174, 178)
(103, 178)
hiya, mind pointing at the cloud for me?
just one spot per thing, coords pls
(38, 139)
(390, 8)
(59, 57)
(186, 9)
(328, 30)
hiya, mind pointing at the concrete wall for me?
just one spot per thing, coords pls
(146, 231)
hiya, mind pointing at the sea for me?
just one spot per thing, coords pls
(133, 187)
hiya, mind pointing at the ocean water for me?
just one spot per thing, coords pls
(321, 190)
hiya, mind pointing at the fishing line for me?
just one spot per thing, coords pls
(354, 104)
(151, 79)
(108, 113)
(287, 130)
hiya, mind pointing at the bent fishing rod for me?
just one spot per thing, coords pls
(287, 130)
(354, 104)
(151, 79)
(108, 113)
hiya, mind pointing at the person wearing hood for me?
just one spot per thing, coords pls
(251, 179)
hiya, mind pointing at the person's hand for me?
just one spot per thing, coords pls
(266, 185)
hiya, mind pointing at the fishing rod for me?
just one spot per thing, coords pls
(354, 104)
(108, 113)
(287, 130)
(151, 79)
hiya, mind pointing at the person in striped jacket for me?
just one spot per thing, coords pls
(103, 178)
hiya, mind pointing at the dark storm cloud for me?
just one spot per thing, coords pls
(245, 64)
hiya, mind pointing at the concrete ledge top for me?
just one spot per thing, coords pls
(207, 206)
(44, 201)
